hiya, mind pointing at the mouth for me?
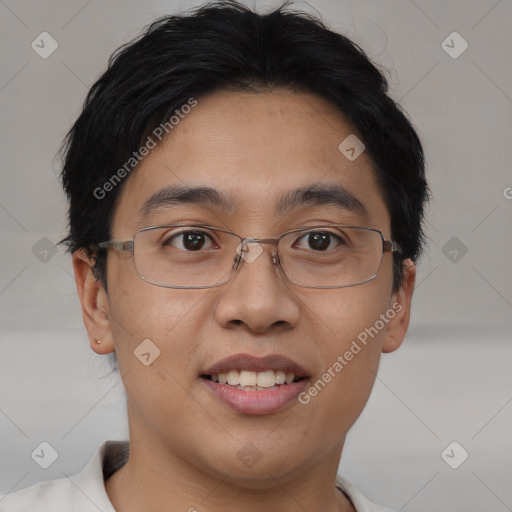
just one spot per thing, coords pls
(247, 380)
(255, 385)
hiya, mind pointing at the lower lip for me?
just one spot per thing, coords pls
(257, 402)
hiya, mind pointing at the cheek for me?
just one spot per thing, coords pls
(169, 318)
(342, 315)
(349, 338)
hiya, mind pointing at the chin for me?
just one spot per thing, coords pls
(258, 469)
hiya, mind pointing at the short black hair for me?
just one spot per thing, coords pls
(226, 45)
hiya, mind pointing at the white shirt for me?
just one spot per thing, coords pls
(86, 491)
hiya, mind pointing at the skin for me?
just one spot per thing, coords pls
(184, 441)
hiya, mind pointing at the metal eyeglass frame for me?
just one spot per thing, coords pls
(129, 246)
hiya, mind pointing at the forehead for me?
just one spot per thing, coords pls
(259, 151)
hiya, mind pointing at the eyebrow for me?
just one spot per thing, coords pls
(179, 195)
(315, 195)
(321, 195)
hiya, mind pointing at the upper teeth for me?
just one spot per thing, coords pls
(266, 379)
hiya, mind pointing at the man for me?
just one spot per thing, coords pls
(246, 208)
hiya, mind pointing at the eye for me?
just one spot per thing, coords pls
(319, 241)
(189, 241)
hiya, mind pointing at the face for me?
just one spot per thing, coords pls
(254, 149)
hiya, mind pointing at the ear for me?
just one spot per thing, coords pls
(401, 304)
(93, 299)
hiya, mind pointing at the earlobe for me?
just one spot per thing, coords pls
(401, 305)
(93, 300)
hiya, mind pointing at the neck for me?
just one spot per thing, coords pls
(155, 480)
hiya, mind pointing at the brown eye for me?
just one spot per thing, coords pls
(319, 241)
(189, 241)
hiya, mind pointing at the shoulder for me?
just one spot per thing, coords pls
(361, 504)
(84, 491)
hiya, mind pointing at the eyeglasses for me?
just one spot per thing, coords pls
(198, 256)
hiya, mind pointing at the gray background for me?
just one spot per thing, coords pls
(450, 381)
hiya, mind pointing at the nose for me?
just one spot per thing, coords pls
(257, 298)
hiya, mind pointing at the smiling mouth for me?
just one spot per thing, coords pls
(255, 385)
(247, 380)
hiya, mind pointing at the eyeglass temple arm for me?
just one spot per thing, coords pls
(390, 246)
(126, 245)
